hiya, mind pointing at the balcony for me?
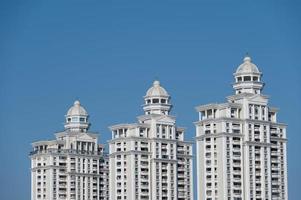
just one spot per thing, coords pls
(237, 154)
(64, 151)
(236, 150)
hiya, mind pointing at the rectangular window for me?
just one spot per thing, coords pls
(247, 78)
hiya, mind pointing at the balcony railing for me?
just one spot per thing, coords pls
(65, 151)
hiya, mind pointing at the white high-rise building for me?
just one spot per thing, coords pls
(241, 148)
(149, 160)
(73, 166)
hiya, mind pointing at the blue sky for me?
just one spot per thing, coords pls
(107, 54)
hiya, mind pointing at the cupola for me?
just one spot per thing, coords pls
(157, 100)
(248, 78)
(77, 118)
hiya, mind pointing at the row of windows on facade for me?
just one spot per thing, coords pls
(255, 111)
(72, 196)
(164, 171)
(119, 133)
(89, 163)
(254, 131)
(247, 78)
(76, 119)
(163, 131)
(143, 144)
(164, 152)
(142, 156)
(157, 101)
(63, 178)
(142, 163)
(83, 147)
(61, 187)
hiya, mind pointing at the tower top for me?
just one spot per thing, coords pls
(156, 100)
(156, 90)
(247, 67)
(77, 118)
(77, 109)
(248, 78)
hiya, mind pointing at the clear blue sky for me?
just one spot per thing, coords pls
(108, 54)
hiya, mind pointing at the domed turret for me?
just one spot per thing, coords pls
(247, 67)
(248, 78)
(77, 109)
(77, 118)
(156, 90)
(157, 100)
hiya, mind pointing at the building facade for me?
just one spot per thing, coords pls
(73, 166)
(241, 147)
(149, 160)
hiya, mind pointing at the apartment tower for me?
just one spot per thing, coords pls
(72, 166)
(241, 147)
(149, 159)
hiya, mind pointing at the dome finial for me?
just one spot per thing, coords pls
(77, 103)
(76, 109)
(156, 83)
(156, 90)
(247, 58)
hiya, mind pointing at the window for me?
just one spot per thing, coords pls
(74, 119)
(232, 112)
(256, 110)
(247, 78)
(163, 100)
(155, 100)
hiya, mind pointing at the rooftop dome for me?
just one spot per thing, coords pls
(156, 90)
(247, 67)
(77, 109)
